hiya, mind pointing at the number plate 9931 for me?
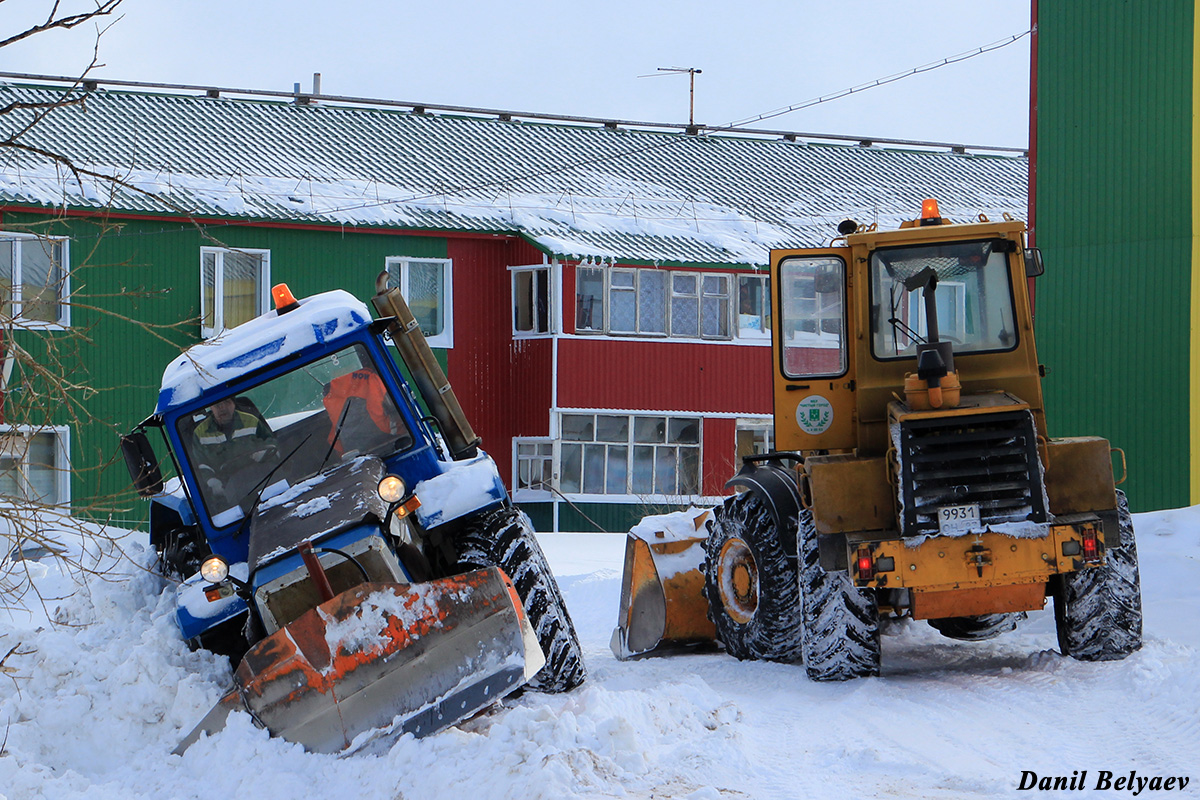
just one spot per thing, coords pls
(958, 519)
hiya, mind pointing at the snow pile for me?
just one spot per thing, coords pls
(673, 527)
(463, 487)
(99, 688)
(577, 213)
(415, 610)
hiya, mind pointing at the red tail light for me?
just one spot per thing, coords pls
(1091, 546)
(865, 564)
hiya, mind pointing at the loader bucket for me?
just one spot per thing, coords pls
(662, 589)
(403, 658)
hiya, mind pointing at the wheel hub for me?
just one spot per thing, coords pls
(737, 578)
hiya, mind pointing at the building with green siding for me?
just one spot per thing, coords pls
(596, 289)
(1115, 174)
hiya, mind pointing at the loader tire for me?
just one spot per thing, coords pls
(1098, 611)
(751, 583)
(977, 629)
(504, 538)
(840, 621)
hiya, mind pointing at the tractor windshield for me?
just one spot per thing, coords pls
(290, 428)
(972, 295)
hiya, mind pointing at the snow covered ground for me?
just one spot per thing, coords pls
(91, 706)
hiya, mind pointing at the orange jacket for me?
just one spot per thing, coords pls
(362, 383)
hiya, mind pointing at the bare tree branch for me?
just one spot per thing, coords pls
(48, 367)
(104, 8)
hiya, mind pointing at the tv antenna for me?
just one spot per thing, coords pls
(692, 72)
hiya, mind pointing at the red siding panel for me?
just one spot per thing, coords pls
(608, 372)
(504, 386)
(719, 454)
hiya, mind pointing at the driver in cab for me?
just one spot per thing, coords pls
(227, 441)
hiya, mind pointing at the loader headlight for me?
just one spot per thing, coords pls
(214, 569)
(392, 489)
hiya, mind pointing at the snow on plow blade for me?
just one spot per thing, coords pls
(404, 658)
(662, 588)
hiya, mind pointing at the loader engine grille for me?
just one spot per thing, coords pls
(989, 459)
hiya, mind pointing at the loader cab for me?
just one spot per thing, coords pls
(854, 321)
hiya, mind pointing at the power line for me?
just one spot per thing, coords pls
(779, 112)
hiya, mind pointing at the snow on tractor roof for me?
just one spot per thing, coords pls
(260, 341)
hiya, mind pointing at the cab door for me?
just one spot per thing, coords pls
(810, 341)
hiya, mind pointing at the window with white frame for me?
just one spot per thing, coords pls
(589, 299)
(34, 465)
(626, 454)
(652, 302)
(951, 302)
(754, 307)
(637, 301)
(234, 287)
(685, 304)
(754, 437)
(34, 279)
(535, 464)
(714, 306)
(532, 300)
(426, 284)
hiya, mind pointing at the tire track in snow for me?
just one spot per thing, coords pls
(946, 719)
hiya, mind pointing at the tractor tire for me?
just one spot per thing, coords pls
(505, 539)
(977, 629)
(751, 583)
(840, 621)
(1098, 611)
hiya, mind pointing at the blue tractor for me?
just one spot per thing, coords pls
(354, 554)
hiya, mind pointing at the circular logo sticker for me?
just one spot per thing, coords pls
(814, 414)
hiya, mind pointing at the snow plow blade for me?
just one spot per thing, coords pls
(401, 658)
(662, 588)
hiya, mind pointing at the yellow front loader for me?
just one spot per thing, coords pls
(915, 477)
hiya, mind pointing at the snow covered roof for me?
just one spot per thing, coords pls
(573, 190)
(235, 352)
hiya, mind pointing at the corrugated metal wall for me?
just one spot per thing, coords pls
(611, 372)
(504, 385)
(1114, 106)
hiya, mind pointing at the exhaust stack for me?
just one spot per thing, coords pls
(430, 379)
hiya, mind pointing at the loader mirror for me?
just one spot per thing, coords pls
(142, 464)
(1033, 262)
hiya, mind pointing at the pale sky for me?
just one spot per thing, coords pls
(584, 59)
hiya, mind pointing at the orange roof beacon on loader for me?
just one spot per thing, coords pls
(915, 477)
(357, 558)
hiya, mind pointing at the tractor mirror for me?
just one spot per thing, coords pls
(827, 281)
(1033, 262)
(142, 464)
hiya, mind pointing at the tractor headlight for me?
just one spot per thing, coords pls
(392, 489)
(214, 569)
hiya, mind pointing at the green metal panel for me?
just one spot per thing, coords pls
(540, 514)
(134, 273)
(1114, 102)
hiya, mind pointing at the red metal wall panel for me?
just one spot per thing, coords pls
(718, 456)
(504, 385)
(608, 372)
